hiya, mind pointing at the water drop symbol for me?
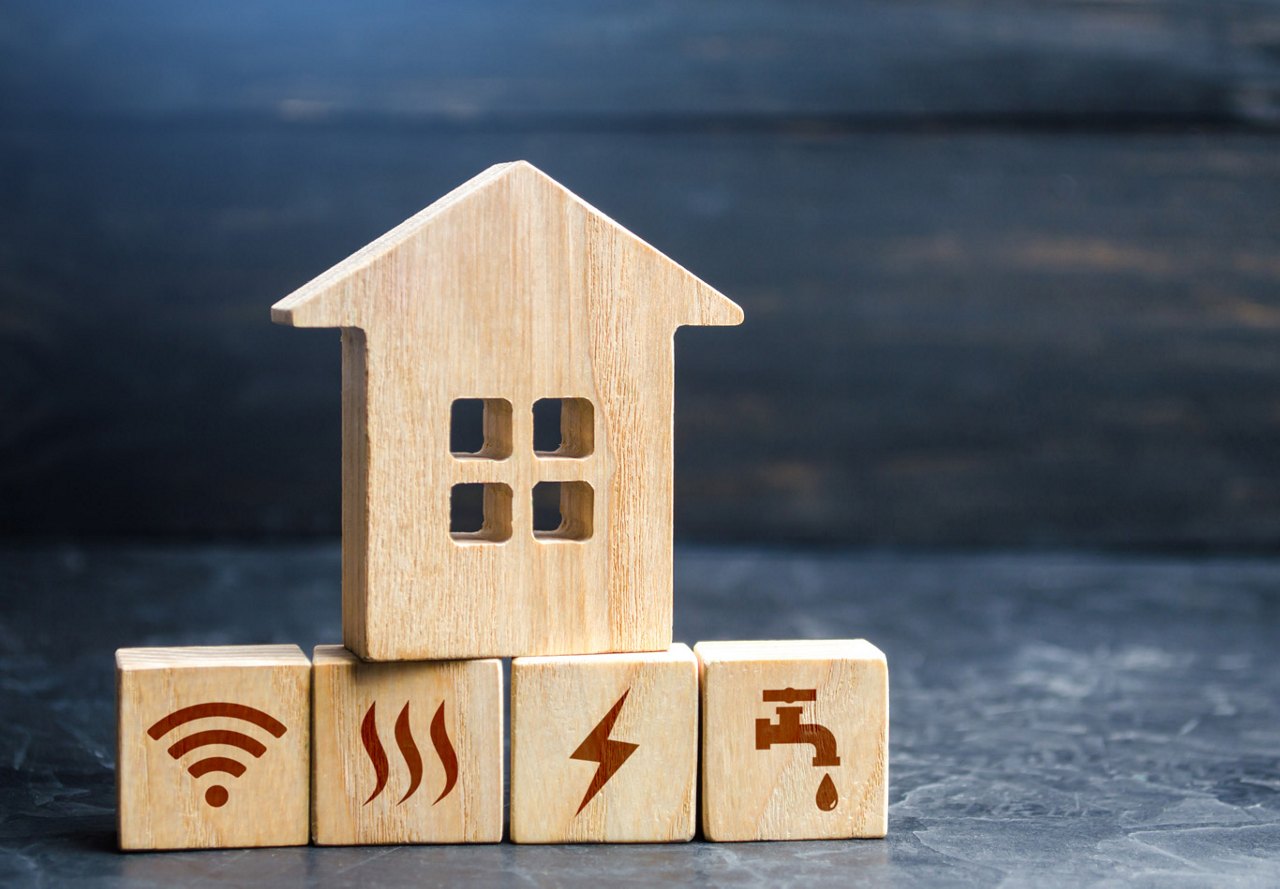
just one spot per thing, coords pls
(827, 796)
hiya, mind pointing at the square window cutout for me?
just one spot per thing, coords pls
(563, 427)
(480, 513)
(562, 510)
(480, 427)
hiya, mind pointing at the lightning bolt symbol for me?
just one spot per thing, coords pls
(600, 748)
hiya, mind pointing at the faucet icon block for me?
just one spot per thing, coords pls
(790, 730)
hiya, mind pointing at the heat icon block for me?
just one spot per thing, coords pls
(406, 752)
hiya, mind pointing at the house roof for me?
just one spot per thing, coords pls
(317, 303)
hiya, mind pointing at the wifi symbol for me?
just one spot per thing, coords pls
(216, 795)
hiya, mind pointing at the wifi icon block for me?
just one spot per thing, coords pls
(217, 795)
(213, 746)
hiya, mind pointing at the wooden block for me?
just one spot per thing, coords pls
(604, 748)
(506, 292)
(214, 746)
(406, 753)
(795, 740)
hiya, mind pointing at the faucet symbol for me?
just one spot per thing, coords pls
(790, 730)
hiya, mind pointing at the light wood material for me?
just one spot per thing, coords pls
(569, 713)
(809, 762)
(431, 773)
(238, 720)
(507, 288)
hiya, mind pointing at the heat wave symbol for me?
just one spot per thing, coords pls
(217, 795)
(409, 751)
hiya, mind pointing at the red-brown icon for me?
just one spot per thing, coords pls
(598, 747)
(408, 751)
(217, 795)
(790, 730)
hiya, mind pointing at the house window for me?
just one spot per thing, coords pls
(563, 427)
(480, 427)
(562, 510)
(480, 512)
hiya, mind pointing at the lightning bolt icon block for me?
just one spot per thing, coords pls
(598, 747)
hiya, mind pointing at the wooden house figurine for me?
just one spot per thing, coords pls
(509, 290)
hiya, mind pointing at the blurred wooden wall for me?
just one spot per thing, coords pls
(1011, 269)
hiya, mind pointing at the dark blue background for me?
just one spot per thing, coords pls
(1011, 269)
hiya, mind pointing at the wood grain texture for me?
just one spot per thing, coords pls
(639, 713)
(509, 289)
(795, 740)
(228, 776)
(406, 753)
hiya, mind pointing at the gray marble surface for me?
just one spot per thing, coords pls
(1057, 720)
